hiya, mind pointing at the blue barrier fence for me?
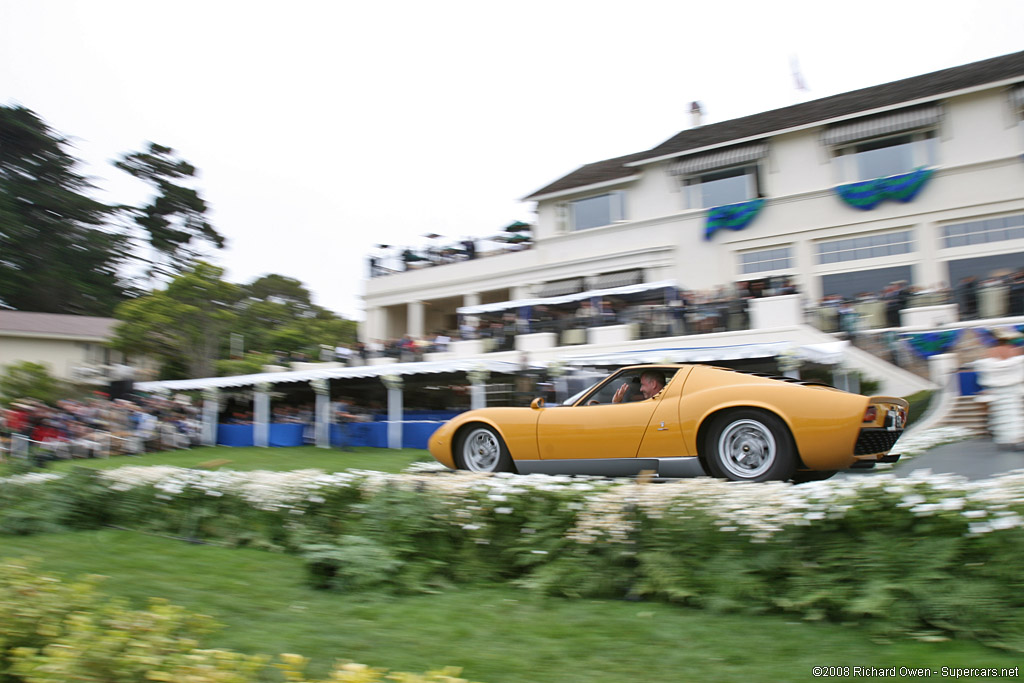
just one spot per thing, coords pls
(415, 434)
(421, 415)
(968, 383)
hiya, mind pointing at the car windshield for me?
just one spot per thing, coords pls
(578, 395)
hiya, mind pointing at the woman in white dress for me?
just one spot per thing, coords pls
(1001, 373)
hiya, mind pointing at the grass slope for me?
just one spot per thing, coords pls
(498, 635)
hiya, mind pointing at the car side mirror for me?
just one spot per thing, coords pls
(537, 403)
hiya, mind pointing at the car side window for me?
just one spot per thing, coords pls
(634, 388)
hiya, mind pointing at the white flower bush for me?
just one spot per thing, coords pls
(604, 510)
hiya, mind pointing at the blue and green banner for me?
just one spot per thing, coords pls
(928, 344)
(868, 194)
(731, 216)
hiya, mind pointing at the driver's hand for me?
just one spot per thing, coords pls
(620, 393)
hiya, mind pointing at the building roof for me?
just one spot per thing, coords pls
(912, 89)
(22, 323)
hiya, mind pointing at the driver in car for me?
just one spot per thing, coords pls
(651, 382)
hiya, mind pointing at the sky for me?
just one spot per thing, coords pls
(321, 129)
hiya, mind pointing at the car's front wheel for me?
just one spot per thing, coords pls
(481, 449)
(749, 445)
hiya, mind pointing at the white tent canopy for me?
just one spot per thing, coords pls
(567, 298)
(828, 353)
(397, 369)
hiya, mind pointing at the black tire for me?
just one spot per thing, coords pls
(749, 445)
(481, 449)
(813, 475)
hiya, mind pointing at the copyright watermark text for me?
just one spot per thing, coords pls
(914, 672)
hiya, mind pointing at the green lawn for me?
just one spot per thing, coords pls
(283, 459)
(498, 635)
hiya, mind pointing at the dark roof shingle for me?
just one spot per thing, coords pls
(14, 322)
(885, 95)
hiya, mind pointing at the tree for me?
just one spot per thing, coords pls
(57, 254)
(186, 325)
(308, 335)
(277, 314)
(174, 222)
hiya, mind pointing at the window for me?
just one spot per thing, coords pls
(983, 231)
(778, 258)
(884, 157)
(604, 393)
(593, 212)
(719, 188)
(866, 246)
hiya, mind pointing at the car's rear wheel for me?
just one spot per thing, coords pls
(749, 445)
(481, 449)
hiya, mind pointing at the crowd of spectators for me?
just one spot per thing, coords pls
(995, 296)
(682, 312)
(389, 259)
(97, 427)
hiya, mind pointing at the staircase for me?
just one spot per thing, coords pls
(969, 413)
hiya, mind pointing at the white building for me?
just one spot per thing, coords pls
(940, 155)
(74, 348)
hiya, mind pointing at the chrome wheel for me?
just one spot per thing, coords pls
(481, 450)
(747, 449)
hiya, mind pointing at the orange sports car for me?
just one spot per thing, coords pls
(668, 418)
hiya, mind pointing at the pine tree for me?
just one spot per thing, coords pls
(57, 251)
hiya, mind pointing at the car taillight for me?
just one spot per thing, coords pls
(871, 414)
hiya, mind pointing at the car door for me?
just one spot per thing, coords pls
(664, 435)
(611, 430)
(604, 430)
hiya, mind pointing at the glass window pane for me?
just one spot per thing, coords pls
(592, 212)
(724, 191)
(885, 161)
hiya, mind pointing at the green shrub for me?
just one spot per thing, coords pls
(25, 379)
(919, 404)
(52, 631)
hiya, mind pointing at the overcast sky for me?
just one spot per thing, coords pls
(323, 128)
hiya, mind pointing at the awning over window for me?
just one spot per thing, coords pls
(867, 127)
(720, 158)
(1017, 97)
(623, 278)
(562, 287)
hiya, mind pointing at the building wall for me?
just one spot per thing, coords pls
(62, 356)
(979, 174)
